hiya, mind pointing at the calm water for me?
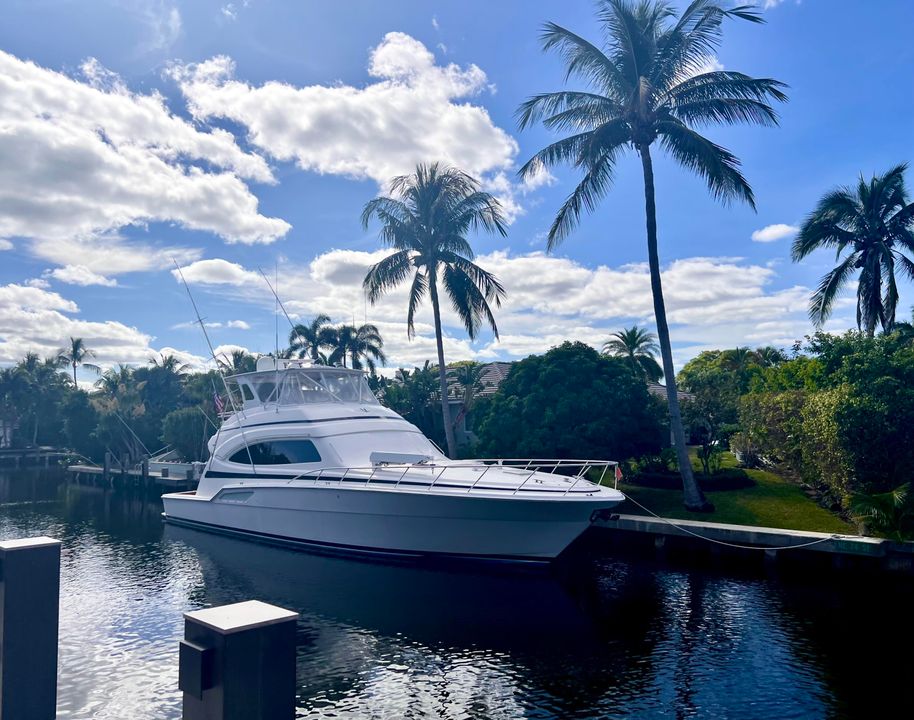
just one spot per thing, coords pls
(608, 638)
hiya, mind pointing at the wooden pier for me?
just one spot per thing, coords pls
(132, 477)
(32, 457)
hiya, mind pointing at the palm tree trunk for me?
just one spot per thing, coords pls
(74, 375)
(692, 494)
(442, 370)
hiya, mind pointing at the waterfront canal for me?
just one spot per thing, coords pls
(604, 638)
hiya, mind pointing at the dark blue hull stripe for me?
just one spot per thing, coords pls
(347, 549)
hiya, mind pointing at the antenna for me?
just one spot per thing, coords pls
(216, 361)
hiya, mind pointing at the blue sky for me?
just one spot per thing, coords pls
(239, 135)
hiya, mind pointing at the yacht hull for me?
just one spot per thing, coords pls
(413, 523)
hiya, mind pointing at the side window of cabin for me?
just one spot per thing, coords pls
(277, 452)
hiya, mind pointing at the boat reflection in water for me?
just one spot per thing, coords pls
(388, 640)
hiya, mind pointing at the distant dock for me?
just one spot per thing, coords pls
(163, 479)
(33, 457)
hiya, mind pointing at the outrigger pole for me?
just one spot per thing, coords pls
(212, 354)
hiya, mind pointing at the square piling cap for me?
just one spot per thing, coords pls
(27, 543)
(240, 616)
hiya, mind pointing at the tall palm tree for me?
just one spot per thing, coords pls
(469, 384)
(311, 338)
(77, 354)
(426, 220)
(648, 84)
(115, 382)
(872, 224)
(362, 345)
(640, 347)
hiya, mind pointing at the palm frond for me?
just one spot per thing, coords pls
(717, 165)
(827, 292)
(387, 274)
(585, 60)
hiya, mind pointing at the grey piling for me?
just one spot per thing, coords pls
(29, 607)
(237, 662)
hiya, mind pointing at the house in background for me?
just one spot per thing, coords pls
(464, 421)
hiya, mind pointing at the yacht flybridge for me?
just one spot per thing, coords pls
(310, 456)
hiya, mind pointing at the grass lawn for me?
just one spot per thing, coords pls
(772, 502)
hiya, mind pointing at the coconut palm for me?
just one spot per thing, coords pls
(426, 220)
(309, 340)
(77, 354)
(361, 345)
(468, 376)
(640, 347)
(648, 83)
(769, 356)
(237, 361)
(872, 226)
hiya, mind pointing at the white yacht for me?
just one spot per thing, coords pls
(310, 456)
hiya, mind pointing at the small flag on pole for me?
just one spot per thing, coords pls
(217, 400)
(618, 474)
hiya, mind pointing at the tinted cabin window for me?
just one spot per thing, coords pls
(278, 452)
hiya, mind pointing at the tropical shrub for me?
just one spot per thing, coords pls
(187, 431)
(571, 403)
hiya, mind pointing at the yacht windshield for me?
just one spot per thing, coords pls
(304, 387)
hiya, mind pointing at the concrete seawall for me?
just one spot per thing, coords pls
(770, 544)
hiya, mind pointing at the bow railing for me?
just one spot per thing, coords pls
(470, 474)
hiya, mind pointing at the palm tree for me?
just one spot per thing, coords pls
(169, 365)
(309, 339)
(362, 345)
(76, 355)
(873, 225)
(468, 376)
(769, 356)
(115, 382)
(426, 220)
(640, 347)
(648, 84)
(236, 362)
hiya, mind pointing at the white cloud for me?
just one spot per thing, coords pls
(550, 299)
(229, 11)
(435, 22)
(773, 233)
(238, 325)
(162, 20)
(80, 275)
(5, 244)
(111, 254)
(79, 158)
(34, 319)
(414, 111)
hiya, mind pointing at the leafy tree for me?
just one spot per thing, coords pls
(309, 340)
(362, 345)
(571, 402)
(426, 220)
(76, 354)
(872, 227)
(640, 347)
(80, 419)
(648, 84)
(412, 394)
(187, 431)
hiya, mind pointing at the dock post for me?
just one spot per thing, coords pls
(237, 662)
(145, 471)
(29, 606)
(106, 476)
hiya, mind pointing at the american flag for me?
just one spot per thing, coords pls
(217, 400)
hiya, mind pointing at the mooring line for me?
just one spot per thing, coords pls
(728, 544)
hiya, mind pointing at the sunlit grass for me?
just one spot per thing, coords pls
(772, 502)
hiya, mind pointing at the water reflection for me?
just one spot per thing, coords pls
(596, 638)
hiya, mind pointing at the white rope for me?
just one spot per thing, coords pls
(727, 544)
